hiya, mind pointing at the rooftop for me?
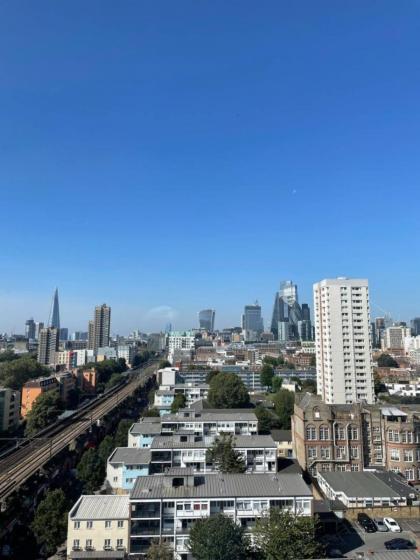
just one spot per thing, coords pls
(130, 456)
(212, 415)
(281, 435)
(146, 427)
(367, 484)
(222, 485)
(100, 507)
(241, 442)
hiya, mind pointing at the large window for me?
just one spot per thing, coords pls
(324, 433)
(310, 432)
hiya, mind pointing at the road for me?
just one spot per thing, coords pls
(20, 465)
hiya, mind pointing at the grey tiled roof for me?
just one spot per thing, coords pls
(100, 507)
(206, 415)
(130, 456)
(367, 484)
(222, 485)
(241, 442)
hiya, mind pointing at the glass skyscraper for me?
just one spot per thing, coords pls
(206, 319)
(290, 321)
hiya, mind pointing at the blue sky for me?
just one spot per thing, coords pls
(169, 156)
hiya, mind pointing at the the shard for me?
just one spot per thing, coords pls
(55, 313)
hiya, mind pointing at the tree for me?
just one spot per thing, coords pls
(50, 521)
(224, 456)
(284, 401)
(281, 535)
(151, 412)
(217, 538)
(164, 364)
(178, 402)
(385, 360)
(276, 384)
(121, 433)
(115, 379)
(159, 551)
(106, 447)
(45, 410)
(227, 391)
(14, 373)
(212, 373)
(266, 375)
(91, 470)
(266, 419)
(308, 385)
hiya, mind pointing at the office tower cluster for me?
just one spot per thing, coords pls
(290, 320)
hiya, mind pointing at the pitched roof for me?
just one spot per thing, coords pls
(100, 507)
(367, 484)
(222, 485)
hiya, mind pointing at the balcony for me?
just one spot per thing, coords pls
(196, 513)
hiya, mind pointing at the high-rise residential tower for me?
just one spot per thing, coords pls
(252, 322)
(342, 340)
(48, 341)
(55, 312)
(206, 319)
(100, 327)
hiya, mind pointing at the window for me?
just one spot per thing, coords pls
(409, 474)
(395, 454)
(107, 543)
(120, 543)
(120, 524)
(354, 450)
(324, 433)
(408, 455)
(89, 524)
(107, 524)
(310, 432)
(354, 432)
(311, 452)
(77, 524)
(76, 544)
(325, 453)
(354, 468)
(115, 479)
(340, 432)
(88, 543)
(341, 452)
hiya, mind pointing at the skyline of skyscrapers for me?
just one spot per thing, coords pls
(289, 320)
(342, 341)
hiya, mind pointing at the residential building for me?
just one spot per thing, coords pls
(180, 342)
(284, 442)
(32, 389)
(38, 328)
(106, 353)
(252, 322)
(355, 437)
(165, 395)
(126, 352)
(87, 380)
(98, 525)
(206, 319)
(30, 328)
(156, 342)
(365, 489)
(342, 339)
(67, 359)
(141, 433)
(100, 328)
(394, 337)
(165, 506)
(66, 384)
(124, 465)
(9, 409)
(48, 343)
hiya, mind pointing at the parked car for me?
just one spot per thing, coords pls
(399, 544)
(380, 525)
(392, 525)
(366, 523)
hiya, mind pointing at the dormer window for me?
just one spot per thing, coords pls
(177, 482)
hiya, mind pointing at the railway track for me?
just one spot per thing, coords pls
(20, 465)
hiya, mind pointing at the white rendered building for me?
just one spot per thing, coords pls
(342, 338)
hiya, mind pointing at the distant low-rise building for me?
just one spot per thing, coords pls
(32, 389)
(9, 409)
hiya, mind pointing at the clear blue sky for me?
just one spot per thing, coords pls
(193, 153)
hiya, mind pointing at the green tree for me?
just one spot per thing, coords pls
(8, 356)
(308, 385)
(227, 391)
(266, 375)
(159, 551)
(385, 360)
(14, 373)
(212, 373)
(115, 379)
(223, 455)
(151, 412)
(91, 470)
(284, 401)
(178, 402)
(164, 364)
(277, 383)
(217, 538)
(121, 433)
(266, 419)
(281, 535)
(106, 447)
(45, 410)
(50, 521)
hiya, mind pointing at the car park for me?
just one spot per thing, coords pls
(366, 523)
(392, 525)
(399, 544)
(380, 525)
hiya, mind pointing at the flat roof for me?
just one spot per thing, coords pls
(241, 442)
(146, 427)
(100, 507)
(222, 486)
(367, 484)
(210, 415)
(130, 456)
